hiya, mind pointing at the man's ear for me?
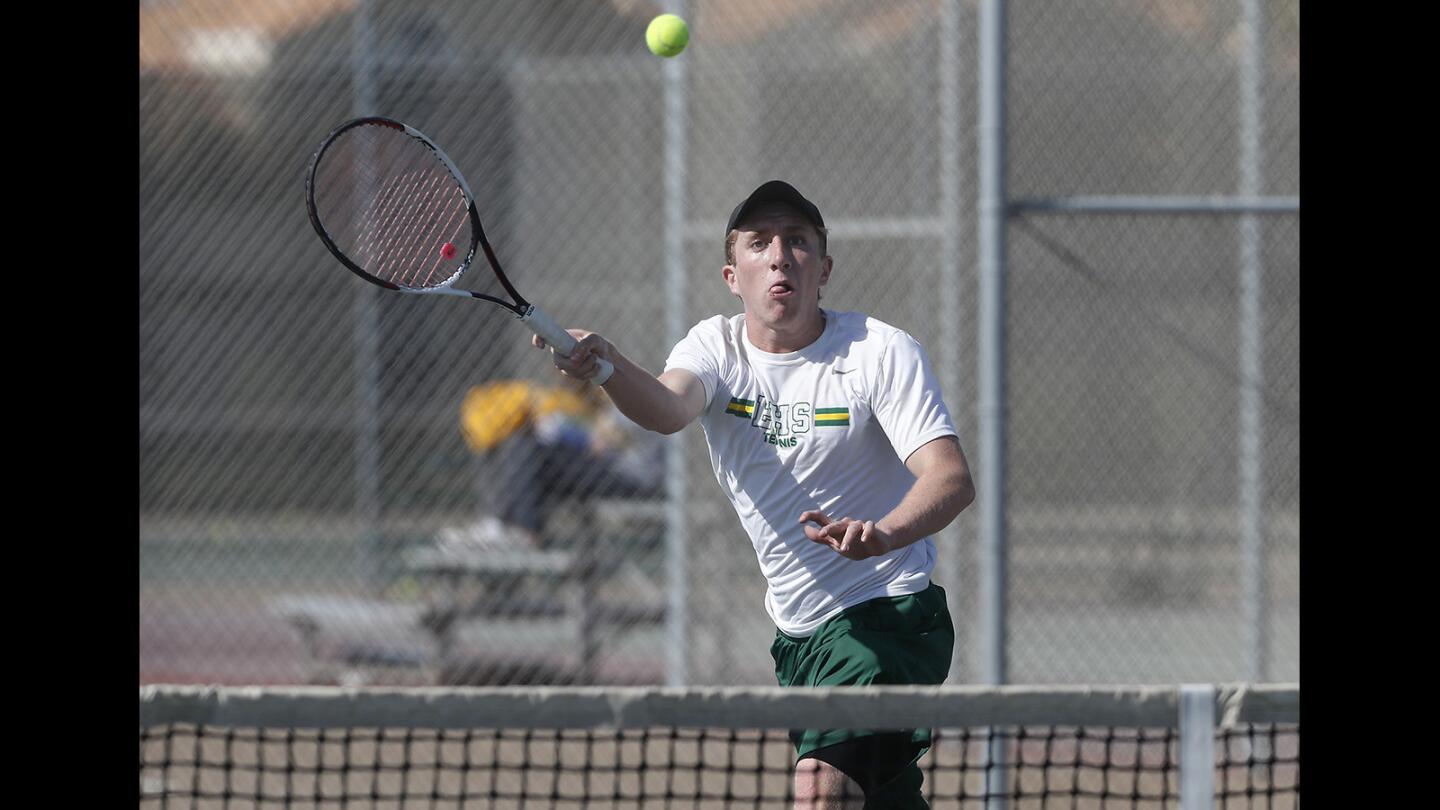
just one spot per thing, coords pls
(826, 266)
(728, 272)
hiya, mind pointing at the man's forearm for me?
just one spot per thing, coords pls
(935, 499)
(642, 397)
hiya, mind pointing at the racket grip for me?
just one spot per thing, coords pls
(560, 340)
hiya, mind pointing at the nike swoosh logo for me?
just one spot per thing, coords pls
(841, 370)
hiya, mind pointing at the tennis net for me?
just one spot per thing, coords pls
(1230, 746)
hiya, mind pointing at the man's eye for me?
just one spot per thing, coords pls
(797, 240)
(757, 245)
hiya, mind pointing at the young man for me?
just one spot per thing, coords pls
(828, 432)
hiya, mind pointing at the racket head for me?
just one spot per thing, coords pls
(391, 206)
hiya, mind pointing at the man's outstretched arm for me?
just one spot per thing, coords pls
(664, 404)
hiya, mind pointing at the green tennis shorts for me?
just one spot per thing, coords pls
(891, 640)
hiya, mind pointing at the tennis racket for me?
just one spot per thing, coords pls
(393, 208)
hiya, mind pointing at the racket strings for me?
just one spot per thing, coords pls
(385, 221)
(391, 207)
(425, 221)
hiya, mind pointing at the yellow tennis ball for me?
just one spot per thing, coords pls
(667, 35)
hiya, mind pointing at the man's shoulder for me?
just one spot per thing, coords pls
(720, 323)
(860, 326)
(715, 328)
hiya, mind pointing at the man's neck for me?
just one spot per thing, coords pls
(781, 341)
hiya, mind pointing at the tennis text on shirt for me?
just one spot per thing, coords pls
(784, 424)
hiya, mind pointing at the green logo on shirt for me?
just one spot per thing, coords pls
(782, 424)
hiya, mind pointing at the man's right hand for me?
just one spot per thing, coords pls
(583, 362)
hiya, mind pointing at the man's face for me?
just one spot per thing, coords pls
(778, 269)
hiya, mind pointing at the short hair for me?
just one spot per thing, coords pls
(735, 234)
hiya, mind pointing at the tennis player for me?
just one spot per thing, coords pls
(829, 434)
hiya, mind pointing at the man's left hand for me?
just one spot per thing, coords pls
(855, 539)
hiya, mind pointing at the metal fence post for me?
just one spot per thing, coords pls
(676, 493)
(366, 338)
(1252, 551)
(991, 479)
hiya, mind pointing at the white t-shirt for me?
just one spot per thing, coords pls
(827, 427)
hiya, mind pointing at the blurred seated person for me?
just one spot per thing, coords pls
(537, 444)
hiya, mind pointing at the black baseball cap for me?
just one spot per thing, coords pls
(775, 191)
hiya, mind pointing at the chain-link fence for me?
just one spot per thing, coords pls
(307, 440)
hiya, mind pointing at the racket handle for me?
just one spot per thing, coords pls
(560, 340)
